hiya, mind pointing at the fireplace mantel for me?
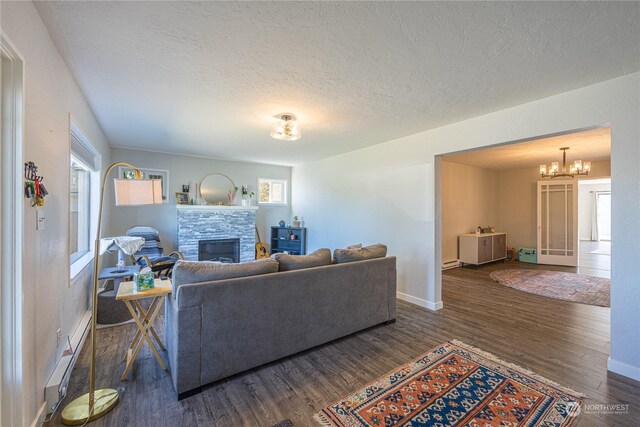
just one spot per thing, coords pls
(217, 207)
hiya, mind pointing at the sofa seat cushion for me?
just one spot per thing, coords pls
(185, 272)
(316, 258)
(359, 254)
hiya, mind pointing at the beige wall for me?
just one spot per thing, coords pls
(469, 200)
(517, 202)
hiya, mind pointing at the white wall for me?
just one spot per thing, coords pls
(185, 169)
(469, 200)
(389, 193)
(517, 202)
(50, 302)
(585, 206)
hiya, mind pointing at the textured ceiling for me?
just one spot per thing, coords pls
(205, 78)
(588, 145)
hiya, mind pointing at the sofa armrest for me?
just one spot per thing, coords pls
(392, 289)
(184, 348)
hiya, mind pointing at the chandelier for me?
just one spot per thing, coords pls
(286, 128)
(577, 168)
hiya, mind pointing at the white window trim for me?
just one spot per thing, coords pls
(81, 263)
(286, 192)
(11, 304)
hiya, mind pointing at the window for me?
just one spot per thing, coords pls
(84, 177)
(79, 209)
(272, 191)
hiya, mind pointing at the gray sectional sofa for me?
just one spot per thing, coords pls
(218, 328)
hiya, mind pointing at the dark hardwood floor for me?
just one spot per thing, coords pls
(565, 342)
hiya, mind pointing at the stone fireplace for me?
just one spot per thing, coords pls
(205, 224)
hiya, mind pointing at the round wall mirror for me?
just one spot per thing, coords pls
(217, 189)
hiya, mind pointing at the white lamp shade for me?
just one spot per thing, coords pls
(138, 192)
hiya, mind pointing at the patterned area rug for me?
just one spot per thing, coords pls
(456, 385)
(556, 284)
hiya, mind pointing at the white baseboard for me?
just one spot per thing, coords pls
(39, 419)
(450, 264)
(433, 306)
(624, 369)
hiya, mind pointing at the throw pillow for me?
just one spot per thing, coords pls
(185, 272)
(316, 258)
(359, 254)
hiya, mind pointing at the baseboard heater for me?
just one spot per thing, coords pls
(450, 264)
(56, 388)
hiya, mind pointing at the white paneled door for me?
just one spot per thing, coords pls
(558, 222)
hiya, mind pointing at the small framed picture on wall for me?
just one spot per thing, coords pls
(182, 198)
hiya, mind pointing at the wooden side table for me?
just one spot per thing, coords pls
(144, 318)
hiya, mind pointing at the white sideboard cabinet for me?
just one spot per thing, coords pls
(480, 249)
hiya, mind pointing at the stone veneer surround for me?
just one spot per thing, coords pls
(197, 223)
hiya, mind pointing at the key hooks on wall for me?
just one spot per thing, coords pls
(33, 187)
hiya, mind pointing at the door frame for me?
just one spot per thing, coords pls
(11, 238)
(572, 260)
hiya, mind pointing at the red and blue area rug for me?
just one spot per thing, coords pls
(456, 385)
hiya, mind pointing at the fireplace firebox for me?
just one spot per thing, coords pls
(221, 250)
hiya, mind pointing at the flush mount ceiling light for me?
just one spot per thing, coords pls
(577, 168)
(286, 128)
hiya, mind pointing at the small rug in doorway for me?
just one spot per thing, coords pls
(456, 385)
(557, 284)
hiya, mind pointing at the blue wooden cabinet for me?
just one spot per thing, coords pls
(281, 241)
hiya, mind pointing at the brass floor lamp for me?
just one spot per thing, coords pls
(128, 192)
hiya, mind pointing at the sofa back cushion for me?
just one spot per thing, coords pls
(316, 258)
(185, 272)
(359, 254)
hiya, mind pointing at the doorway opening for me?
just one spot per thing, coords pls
(500, 189)
(594, 205)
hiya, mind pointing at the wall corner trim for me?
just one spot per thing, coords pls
(39, 419)
(433, 306)
(623, 369)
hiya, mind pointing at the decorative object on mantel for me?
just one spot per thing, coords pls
(135, 191)
(459, 385)
(185, 188)
(282, 223)
(217, 189)
(577, 168)
(286, 127)
(246, 195)
(182, 198)
(296, 221)
(33, 187)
